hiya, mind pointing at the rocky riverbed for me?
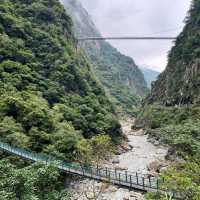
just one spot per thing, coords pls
(136, 155)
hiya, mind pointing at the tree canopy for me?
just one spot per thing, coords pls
(49, 96)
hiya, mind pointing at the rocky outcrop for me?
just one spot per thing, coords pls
(180, 82)
(149, 75)
(120, 76)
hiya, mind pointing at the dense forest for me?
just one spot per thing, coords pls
(49, 96)
(47, 91)
(52, 103)
(120, 76)
(171, 113)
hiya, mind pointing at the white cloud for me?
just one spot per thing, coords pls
(138, 18)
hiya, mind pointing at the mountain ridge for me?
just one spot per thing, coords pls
(120, 76)
(50, 98)
(180, 83)
(150, 75)
(171, 112)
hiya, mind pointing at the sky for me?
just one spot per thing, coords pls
(140, 18)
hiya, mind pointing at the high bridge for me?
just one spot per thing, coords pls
(125, 38)
(127, 179)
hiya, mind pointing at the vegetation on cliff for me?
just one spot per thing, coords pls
(178, 127)
(34, 182)
(180, 82)
(50, 99)
(150, 75)
(49, 96)
(120, 76)
(172, 111)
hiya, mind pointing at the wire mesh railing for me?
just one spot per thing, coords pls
(123, 178)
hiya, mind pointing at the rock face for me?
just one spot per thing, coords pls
(115, 161)
(180, 82)
(119, 74)
(155, 167)
(149, 75)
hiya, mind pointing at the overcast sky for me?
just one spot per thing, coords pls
(140, 18)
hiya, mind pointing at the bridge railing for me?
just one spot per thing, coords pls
(112, 175)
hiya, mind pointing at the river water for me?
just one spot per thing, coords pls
(137, 159)
(143, 152)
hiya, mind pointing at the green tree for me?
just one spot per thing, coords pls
(35, 182)
(102, 148)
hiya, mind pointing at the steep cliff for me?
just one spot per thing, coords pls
(180, 82)
(149, 75)
(49, 97)
(120, 76)
(178, 126)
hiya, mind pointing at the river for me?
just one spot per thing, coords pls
(138, 158)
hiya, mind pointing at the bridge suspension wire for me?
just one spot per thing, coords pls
(116, 177)
(126, 38)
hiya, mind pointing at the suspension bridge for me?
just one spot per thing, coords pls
(125, 38)
(127, 179)
(134, 181)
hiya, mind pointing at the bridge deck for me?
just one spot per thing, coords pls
(121, 178)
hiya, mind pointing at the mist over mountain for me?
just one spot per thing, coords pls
(171, 113)
(61, 100)
(150, 75)
(180, 82)
(120, 76)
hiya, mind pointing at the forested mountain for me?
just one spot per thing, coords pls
(149, 75)
(50, 100)
(180, 82)
(122, 79)
(49, 97)
(171, 113)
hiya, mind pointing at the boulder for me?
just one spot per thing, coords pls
(156, 143)
(131, 146)
(112, 189)
(121, 168)
(151, 140)
(136, 196)
(115, 161)
(173, 156)
(120, 151)
(126, 147)
(139, 132)
(163, 169)
(154, 166)
(151, 174)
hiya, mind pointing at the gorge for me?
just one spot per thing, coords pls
(92, 106)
